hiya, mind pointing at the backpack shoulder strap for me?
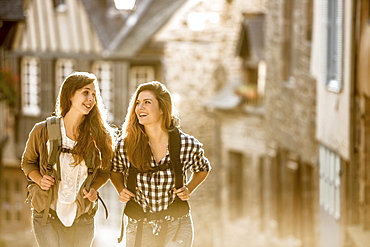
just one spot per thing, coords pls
(175, 145)
(55, 138)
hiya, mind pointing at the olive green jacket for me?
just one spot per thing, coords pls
(35, 157)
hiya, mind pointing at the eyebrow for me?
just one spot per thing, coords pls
(88, 89)
(145, 99)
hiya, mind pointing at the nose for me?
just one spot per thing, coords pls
(91, 98)
(140, 105)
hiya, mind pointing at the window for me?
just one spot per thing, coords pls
(63, 68)
(60, 6)
(251, 49)
(330, 165)
(30, 80)
(235, 182)
(140, 74)
(104, 73)
(333, 40)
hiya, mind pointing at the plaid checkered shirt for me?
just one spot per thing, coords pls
(155, 189)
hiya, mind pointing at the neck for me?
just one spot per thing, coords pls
(156, 134)
(71, 123)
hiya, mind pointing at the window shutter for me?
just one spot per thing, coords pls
(339, 40)
(333, 18)
(330, 164)
(324, 51)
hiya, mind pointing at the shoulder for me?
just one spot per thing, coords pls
(39, 127)
(187, 139)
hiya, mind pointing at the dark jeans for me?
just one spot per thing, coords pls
(55, 234)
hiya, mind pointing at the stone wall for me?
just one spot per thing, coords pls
(290, 105)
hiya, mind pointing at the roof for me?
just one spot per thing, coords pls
(11, 10)
(126, 32)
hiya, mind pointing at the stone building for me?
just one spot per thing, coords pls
(340, 62)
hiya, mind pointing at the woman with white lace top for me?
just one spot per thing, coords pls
(64, 195)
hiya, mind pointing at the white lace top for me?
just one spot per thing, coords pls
(72, 177)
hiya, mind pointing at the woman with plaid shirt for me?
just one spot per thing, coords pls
(144, 146)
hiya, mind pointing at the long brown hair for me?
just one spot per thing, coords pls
(135, 138)
(94, 128)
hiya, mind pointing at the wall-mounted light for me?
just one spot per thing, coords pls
(125, 4)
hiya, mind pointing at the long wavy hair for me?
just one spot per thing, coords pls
(95, 135)
(135, 138)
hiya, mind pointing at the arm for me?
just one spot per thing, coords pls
(199, 165)
(30, 163)
(99, 181)
(197, 179)
(117, 180)
(31, 155)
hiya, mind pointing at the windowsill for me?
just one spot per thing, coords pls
(360, 237)
(333, 86)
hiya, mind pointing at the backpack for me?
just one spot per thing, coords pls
(55, 138)
(177, 209)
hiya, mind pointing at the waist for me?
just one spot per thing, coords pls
(53, 215)
(174, 211)
(151, 220)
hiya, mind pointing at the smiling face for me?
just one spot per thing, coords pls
(84, 99)
(147, 109)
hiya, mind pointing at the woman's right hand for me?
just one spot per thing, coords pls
(46, 182)
(125, 195)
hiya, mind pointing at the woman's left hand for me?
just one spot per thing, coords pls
(183, 193)
(92, 195)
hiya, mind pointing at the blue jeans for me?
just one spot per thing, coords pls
(54, 233)
(184, 237)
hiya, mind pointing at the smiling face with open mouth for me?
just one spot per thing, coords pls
(84, 99)
(147, 109)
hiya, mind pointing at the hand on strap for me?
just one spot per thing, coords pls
(92, 194)
(46, 182)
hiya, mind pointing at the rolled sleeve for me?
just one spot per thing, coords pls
(199, 162)
(192, 154)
